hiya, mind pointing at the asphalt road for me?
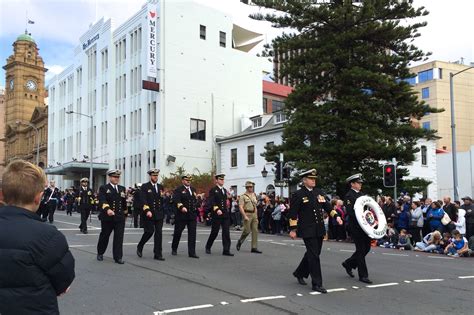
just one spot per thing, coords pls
(404, 282)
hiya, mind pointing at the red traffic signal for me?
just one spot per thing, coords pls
(389, 176)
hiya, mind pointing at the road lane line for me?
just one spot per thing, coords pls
(299, 294)
(466, 277)
(428, 280)
(183, 309)
(347, 250)
(90, 226)
(390, 254)
(382, 285)
(224, 303)
(337, 290)
(278, 243)
(354, 287)
(264, 298)
(407, 281)
(315, 293)
(440, 257)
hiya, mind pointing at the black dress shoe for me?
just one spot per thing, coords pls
(139, 252)
(365, 280)
(227, 254)
(318, 288)
(256, 251)
(174, 253)
(208, 251)
(300, 279)
(159, 258)
(119, 261)
(239, 244)
(100, 257)
(348, 269)
(194, 256)
(84, 231)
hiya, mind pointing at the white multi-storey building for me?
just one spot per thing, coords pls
(204, 79)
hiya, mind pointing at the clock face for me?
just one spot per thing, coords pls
(11, 84)
(31, 85)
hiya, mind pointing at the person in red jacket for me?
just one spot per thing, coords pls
(36, 264)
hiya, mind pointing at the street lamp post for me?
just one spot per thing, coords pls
(90, 146)
(37, 137)
(453, 133)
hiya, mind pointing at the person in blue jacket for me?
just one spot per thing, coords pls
(434, 216)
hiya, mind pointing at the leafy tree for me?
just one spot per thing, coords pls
(351, 106)
(202, 182)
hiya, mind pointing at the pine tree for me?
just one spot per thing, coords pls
(351, 106)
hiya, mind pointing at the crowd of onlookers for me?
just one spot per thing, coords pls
(439, 226)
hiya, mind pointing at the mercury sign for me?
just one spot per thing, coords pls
(86, 44)
(151, 42)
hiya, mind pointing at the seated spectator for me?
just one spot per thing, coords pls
(459, 245)
(434, 217)
(404, 241)
(445, 241)
(391, 237)
(429, 243)
(36, 264)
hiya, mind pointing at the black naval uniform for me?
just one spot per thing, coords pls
(137, 208)
(306, 215)
(152, 201)
(85, 203)
(218, 201)
(361, 239)
(185, 197)
(51, 198)
(110, 198)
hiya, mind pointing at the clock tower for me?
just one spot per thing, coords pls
(24, 100)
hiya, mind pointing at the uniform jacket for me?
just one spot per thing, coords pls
(349, 201)
(36, 264)
(109, 198)
(51, 195)
(217, 200)
(152, 200)
(86, 197)
(182, 198)
(306, 212)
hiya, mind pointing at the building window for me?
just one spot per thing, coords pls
(265, 105)
(198, 129)
(257, 122)
(425, 76)
(233, 158)
(277, 106)
(440, 73)
(250, 155)
(202, 31)
(426, 125)
(222, 39)
(280, 117)
(269, 145)
(424, 157)
(425, 92)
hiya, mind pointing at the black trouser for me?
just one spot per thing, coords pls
(216, 224)
(310, 264)
(340, 232)
(136, 212)
(85, 212)
(69, 209)
(51, 208)
(107, 227)
(469, 230)
(415, 234)
(357, 260)
(178, 230)
(153, 227)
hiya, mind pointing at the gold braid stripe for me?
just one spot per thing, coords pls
(293, 222)
(333, 213)
(105, 205)
(179, 205)
(146, 208)
(216, 208)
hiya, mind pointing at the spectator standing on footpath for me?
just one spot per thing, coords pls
(36, 264)
(469, 207)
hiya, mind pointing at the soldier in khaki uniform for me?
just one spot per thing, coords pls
(248, 209)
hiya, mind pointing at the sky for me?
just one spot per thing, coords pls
(60, 23)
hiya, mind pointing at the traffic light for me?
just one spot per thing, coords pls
(389, 177)
(286, 172)
(277, 170)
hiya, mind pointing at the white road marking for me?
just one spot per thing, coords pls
(390, 254)
(407, 281)
(347, 250)
(428, 280)
(314, 293)
(183, 309)
(182, 242)
(382, 285)
(94, 245)
(278, 243)
(92, 234)
(337, 290)
(354, 287)
(265, 298)
(466, 277)
(75, 224)
(440, 257)
(224, 303)
(299, 294)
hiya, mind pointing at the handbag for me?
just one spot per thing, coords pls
(445, 220)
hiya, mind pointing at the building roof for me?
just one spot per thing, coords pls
(26, 37)
(276, 89)
(270, 126)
